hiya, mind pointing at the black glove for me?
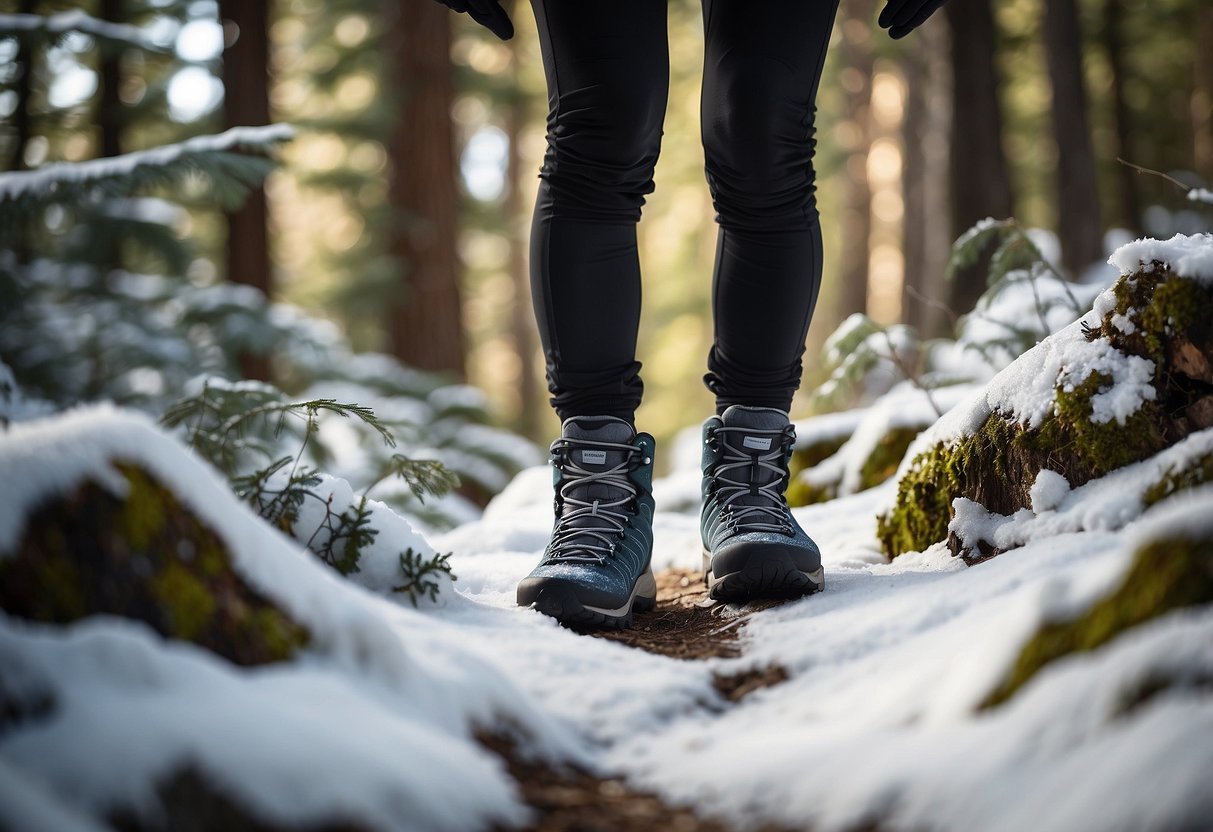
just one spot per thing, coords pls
(488, 13)
(901, 17)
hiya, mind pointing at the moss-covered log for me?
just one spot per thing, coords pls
(1159, 316)
(1165, 575)
(143, 556)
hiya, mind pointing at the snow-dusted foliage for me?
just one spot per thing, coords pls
(371, 724)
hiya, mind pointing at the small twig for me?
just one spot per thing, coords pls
(933, 302)
(895, 357)
(1153, 172)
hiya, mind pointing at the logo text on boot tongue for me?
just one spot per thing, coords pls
(594, 457)
(757, 443)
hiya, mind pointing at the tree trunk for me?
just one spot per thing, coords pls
(109, 110)
(858, 63)
(1078, 222)
(1202, 95)
(926, 221)
(522, 317)
(425, 321)
(246, 103)
(1116, 50)
(980, 183)
(23, 86)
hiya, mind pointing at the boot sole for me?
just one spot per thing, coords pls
(561, 603)
(767, 575)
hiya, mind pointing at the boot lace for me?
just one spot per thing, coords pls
(575, 539)
(736, 475)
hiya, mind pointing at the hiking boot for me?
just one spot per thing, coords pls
(596, 569)
(752, 545)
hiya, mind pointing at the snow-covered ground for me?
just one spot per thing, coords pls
(878, 723)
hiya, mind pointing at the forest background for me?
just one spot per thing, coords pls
(401, 207)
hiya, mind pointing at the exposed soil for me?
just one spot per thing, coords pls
(736, 686)
(686, 623)
(573, 800)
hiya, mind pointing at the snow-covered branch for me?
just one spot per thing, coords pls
(209, 154)
(57, 25)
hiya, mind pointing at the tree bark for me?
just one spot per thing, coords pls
(109, 110)
(1116, 51)
(1078, 222)
(23, 87)
(1202, 95)
(926, 223)
(980, 182)
(858, 61)
(246, 103)
(425, 320)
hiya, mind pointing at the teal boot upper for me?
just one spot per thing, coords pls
(745, 514)
(602, 535)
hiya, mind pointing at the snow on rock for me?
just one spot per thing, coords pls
(1107, 503)
(372, 723)
(1187, 255)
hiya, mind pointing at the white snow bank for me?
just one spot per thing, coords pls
(298, 745)
(1187, 255)
(382, 704)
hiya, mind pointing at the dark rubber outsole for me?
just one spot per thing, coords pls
(772, 576)
(562, 604)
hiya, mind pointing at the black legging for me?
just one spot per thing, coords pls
(607, 68)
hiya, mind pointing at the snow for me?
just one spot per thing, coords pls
(46, 178)
(1107, 503)
(888, 665)
(877, 721)
(1188, 255)
(384, 695)
(1201, 195)
(905, 406)
(1047, 492)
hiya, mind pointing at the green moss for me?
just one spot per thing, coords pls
(1165, 575)
(143, 556)
(882, 463)
(189, 604)
(1091, 449)
(923, 508)
(800, 492)
(1195, 472)
(997, 465)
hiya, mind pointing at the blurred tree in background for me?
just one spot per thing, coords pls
(402, 209)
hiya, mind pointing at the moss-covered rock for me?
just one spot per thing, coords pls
(1167, 574)
(1157, 315)
(800, 492)
(144, 556)
(880, 464)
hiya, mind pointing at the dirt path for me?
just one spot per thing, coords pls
(686, 625)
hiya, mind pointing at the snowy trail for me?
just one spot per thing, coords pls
(887, 667)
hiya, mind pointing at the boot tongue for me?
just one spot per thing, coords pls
(593, 429)
(742, 441)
